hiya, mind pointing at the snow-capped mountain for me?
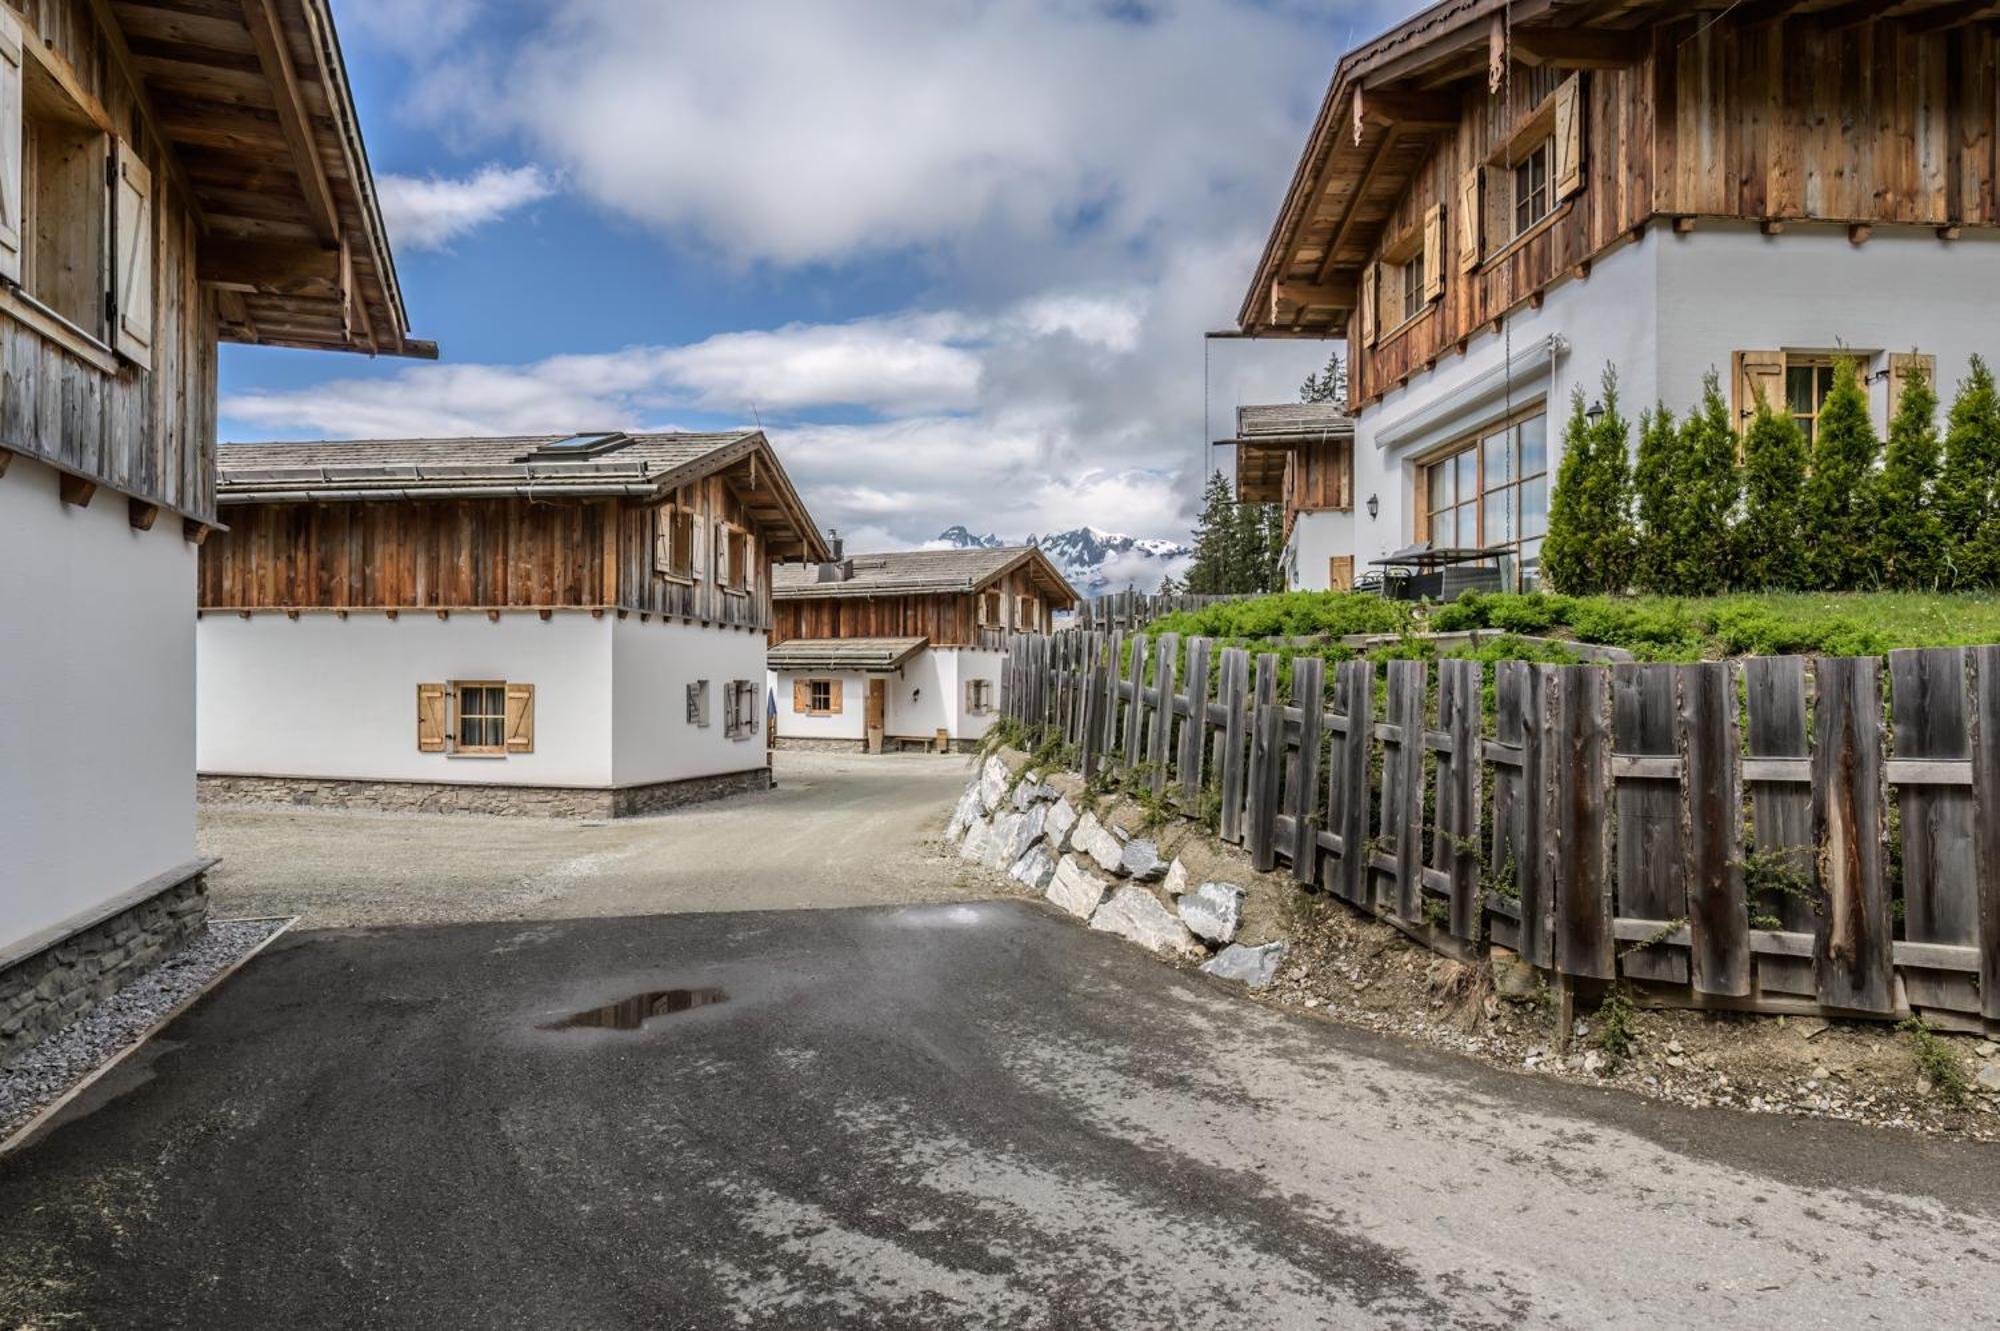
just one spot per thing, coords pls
(1094, 561)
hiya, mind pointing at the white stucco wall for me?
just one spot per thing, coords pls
(652, 665)
(96, 702)
(973, 664)
(845, 724)
(927, 694)
(1665, 311)
(322, 696)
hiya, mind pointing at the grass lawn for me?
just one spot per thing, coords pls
(1653, 628)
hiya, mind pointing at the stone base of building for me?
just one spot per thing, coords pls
(893, 744)
(453, 797)
(45, 988)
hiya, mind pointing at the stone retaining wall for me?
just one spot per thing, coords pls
(1012, 821)
(445, 797)
(45, 991)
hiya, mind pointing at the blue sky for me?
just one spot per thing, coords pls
(956, 255)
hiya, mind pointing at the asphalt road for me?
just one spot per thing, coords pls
(839, 830)
(932, 1116)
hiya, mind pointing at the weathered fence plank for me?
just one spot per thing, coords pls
(1302, 776)
(1985, 688)
(1347, 778)
(1234, 738)
(1517, 806)
(1781, 816)
(1194, 735)
(1135, 715)
(1578, 815)
(1267, 755)
(1403, 790)
(1851, 953)
(1651, 884)
(1717, 913)
(1159, 750)
(1456, 847)
(1931, 726)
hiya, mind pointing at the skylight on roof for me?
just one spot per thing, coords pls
(583, 445)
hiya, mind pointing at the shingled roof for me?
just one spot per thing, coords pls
(844, 653)
(513, 466)
(924, 573)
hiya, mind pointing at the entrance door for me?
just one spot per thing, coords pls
(873, 710)
(1340, 573)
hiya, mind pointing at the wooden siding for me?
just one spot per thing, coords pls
(474, 554)
(1780, 122)
(149, 434)
(1319, 478)
(947, 620)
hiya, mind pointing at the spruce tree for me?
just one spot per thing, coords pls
(1214, 538)
(1770, 538)
(1657, 485)
(1703, 559)
(1909, 536)
(1969, 491)
(1329, 385)
(1589, 547)
(1840, 500)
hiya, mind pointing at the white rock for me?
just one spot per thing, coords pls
(1140, 859)
(1035, 868)
(962, 816)
(978, 841)
(994, 779)
(1988, 1078)
(1254, 966)
(1008, 837)
(1094, 839)
(1176, 884)
(1076, 889)
(1135, 913)
(1062, 821)
(1214, 911)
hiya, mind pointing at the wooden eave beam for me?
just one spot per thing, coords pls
(1409, 111)
(275, 54)
(6, 460)
(77, 491)
(1766, 11)
(1581, 48)
(141, 514)
(269, 269)
(1950, 16)
(1339, 295)
(1853, 14)
(121, 56)
(1338, 237)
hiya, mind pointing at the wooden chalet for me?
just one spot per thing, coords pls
(1499, 199)
(903, 649)
(537, 596)
(1301, 455)
(173, 175)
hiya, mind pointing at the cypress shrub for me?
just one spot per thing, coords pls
(1770, 536)
(1968, 504)
(1589, 547)
(1840, 503)
(1656, 485)
(1703, 561)
(1909, 536)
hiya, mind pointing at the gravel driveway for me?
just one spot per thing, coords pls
(839, 830)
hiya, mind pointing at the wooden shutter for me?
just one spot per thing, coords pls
(971, 695)
(131, 255)
(430, 718)
(12, 146)
(1569, 137)
(683, 542)
(1469, 207)
(801, 697)
(1758, 374)
(1434, 253)
(520, 718)
(1903, 364)
(697, 555)
(833, 696)
(1370, 281)
(663, 540)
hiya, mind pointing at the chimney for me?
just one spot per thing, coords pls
(840, 569)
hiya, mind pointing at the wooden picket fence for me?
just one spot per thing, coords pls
(1737, 835)
(1129, 611)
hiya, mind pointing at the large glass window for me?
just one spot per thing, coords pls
(1492, 492)
(1532, 196)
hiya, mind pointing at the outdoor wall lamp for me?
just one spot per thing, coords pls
(1595, 414)
(1374, 507)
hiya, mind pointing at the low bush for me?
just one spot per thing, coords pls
(1292, 615)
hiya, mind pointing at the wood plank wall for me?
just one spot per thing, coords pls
(472, 554)
(148, 434)
(1318, 478)
(948, 620)
(1781, 121)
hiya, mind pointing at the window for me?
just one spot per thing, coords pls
(476, 718)
(740, 704)
(1413, 287)
(978, 695)
(739, 559)
(1533, 199)
(989, 608)
(698, 703)
(1808, 380)
(673, 542)
(816, 697)
(1491, 492)
(819, 695)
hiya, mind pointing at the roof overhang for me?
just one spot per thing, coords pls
(251, 100)
(878, 655)
(1260, 471)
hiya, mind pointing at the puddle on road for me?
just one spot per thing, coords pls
(629, 1014)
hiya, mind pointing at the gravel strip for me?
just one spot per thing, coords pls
(59, 1062)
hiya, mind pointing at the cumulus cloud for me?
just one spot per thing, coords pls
(429, 212)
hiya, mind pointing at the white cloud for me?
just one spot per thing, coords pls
(428, 213)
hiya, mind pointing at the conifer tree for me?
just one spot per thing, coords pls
(1703, 560)
(1589, 547)
(1840, 502)
(1969, 491)
(1656, 484)
(1214, 538)
(1329, 385)
(1909, 536)
(1770, 540)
